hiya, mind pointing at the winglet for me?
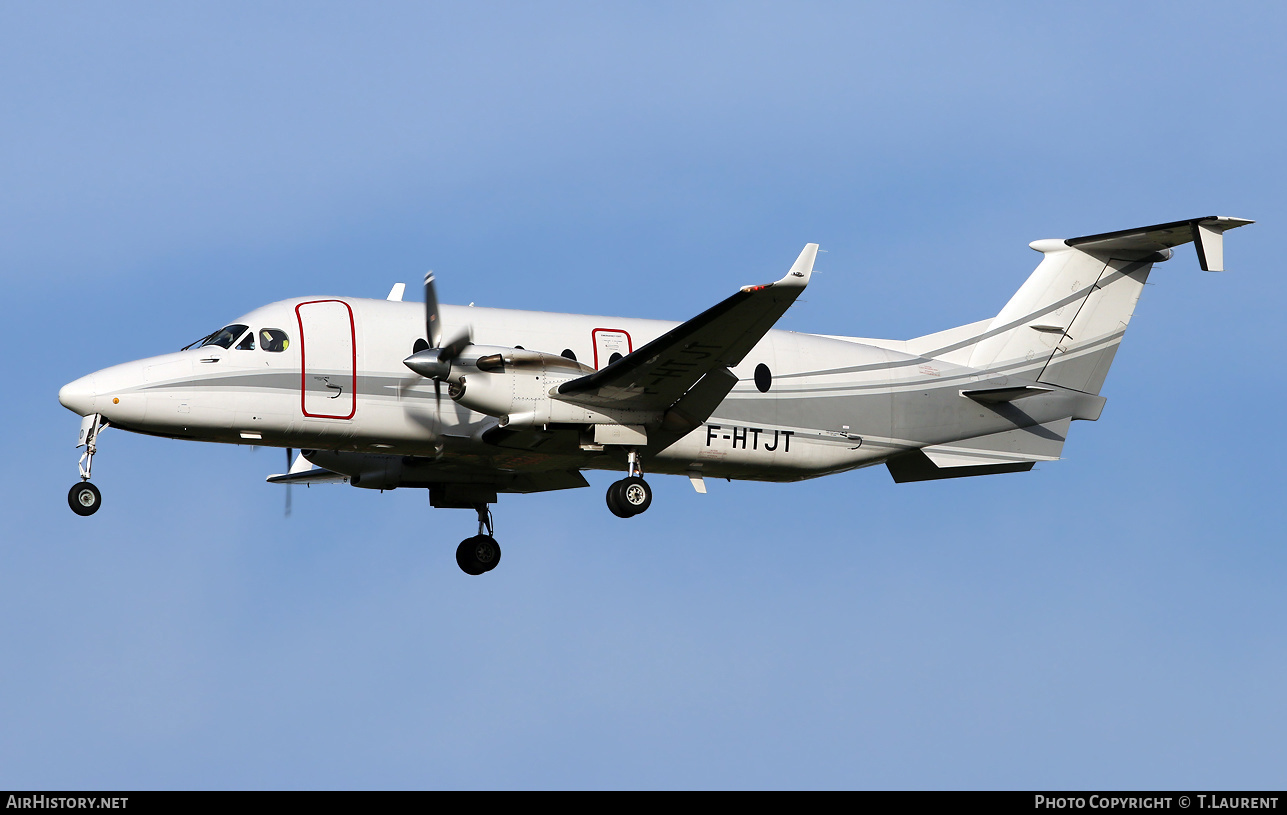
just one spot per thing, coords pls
(802, 268)
(1208, 237)
(798, 277)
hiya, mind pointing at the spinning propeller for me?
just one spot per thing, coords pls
(290, 454)
(435, 361)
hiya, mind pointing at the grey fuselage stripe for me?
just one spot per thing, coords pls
(1080, 294)
(373, 385)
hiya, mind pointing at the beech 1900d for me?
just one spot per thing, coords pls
(470, 403)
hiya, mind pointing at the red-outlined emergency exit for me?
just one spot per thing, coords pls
(607, 342)
(327, 359)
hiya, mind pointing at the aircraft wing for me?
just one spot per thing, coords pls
(661, 373)
(315, 476)
(304, 471)
(1207, 235)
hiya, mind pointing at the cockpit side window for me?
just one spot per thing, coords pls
(273, 339)
(224, 337)
(247, 342)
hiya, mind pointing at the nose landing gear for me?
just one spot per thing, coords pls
(631, 495)
(84, 498)
(480, 553)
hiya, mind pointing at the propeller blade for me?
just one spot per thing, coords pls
(290, 455)
(433, 325)
(457, 344)
(434, 362)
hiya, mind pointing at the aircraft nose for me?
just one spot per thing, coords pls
(78, 396)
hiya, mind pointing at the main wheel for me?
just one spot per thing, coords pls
(636, 495)
(617, 502)
(84, 498)
(478, 554)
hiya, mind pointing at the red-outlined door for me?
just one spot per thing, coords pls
(607, 342)
(328, 359)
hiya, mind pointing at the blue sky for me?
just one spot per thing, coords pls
(1111, 620)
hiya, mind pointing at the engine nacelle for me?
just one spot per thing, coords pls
(514, 385)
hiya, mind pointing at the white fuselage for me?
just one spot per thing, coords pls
(340, 384)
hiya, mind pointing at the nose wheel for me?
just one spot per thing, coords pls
(631, 495)
(84, 498)
(481, 553)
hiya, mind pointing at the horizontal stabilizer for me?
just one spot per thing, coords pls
(916, 466)
(1010, 451)
(1207, 235)
(949, 458)
(992, 396)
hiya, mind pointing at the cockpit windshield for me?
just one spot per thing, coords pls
(224, 337)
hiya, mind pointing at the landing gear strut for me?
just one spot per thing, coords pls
(84, 498)
(480, 553)
(631, 495)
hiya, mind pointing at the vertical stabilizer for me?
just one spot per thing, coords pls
(1036, 325)
(1064, 324)
(1085, 350)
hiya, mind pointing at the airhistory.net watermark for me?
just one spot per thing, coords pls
(64, 802)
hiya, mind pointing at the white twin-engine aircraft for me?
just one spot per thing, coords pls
(534, 398)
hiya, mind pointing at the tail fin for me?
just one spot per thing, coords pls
(1064, 324)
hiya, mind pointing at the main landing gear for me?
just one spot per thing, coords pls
(84, 498)
(480, 553)
(631, 495)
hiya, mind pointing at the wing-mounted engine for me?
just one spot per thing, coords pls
(651, 397)
(515, 384)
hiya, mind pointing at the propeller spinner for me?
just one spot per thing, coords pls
(435, 361)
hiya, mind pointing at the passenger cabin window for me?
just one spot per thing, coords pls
(224, 337)
(247, 342)
(273, 339)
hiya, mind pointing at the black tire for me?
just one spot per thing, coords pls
(617, 502)
(636, 495)
(478, 554)
(84, 498)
